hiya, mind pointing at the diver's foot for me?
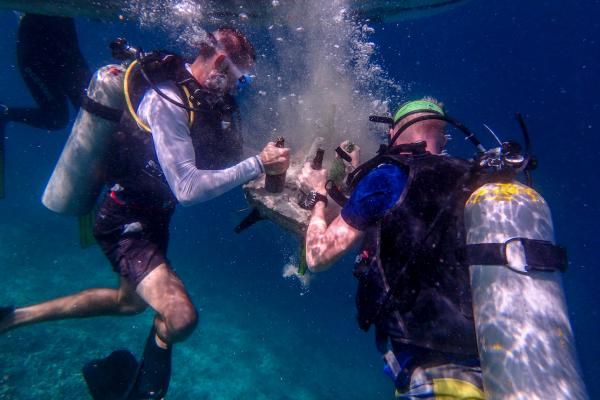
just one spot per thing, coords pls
(6, 318)
(155, 371)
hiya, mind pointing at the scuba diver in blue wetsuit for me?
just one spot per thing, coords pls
(177, 142)
(430, 273)
(54, 71)
(431, 333)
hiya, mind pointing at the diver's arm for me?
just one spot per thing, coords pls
(173, 143)
(326, 244)
(373, 196)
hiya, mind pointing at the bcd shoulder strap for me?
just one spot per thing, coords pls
(135, 68)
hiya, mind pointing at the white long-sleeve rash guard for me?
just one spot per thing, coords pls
(173, 143)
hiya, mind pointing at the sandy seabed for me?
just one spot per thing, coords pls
(246, 346)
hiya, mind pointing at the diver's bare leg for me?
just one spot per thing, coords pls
(165, 293)
(88, 303)
(175, 320)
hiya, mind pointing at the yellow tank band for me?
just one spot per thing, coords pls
(503, 192)
(133, 112)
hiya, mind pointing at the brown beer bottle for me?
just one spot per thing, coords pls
(275, 183)
(317, 162)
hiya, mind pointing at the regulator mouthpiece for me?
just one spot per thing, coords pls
(243, 82)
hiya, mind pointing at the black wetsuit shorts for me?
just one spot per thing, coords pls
(135, 240)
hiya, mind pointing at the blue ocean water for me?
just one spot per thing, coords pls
(264, 337)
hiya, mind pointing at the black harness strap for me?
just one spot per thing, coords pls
(335, 193)
(102, 111)
(540, 255)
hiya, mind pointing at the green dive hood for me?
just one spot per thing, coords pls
(413, 107)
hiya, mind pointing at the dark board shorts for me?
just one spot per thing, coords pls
(134, 240)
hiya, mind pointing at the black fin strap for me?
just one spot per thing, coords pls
(102, 111)
(540, 255)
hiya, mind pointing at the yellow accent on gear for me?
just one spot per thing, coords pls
(133, 112)
(191, 113)
(128, 97)
(456, 389)
(507, 192)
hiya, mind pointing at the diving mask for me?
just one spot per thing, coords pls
(241, 78)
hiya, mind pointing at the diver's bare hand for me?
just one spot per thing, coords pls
(276, 160)
(314, 179)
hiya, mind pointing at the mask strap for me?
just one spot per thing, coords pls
(470, 136)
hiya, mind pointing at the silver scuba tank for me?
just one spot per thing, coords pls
(525, 341)
(78, 176)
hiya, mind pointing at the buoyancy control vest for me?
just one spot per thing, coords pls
(417, 251)
(133, 163)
